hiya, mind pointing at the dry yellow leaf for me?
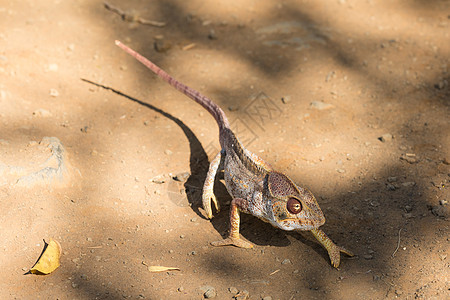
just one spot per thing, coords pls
(155, 269)
(49, 259)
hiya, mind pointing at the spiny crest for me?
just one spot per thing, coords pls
(240, 152)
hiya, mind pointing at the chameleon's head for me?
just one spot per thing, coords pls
(293, 207)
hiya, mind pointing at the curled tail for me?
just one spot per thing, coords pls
(207, 103)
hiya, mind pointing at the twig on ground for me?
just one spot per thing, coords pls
(398, 243)
(274, 272)
(131, 17)
(189, 46)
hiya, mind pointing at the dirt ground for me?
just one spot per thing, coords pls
(349, 98)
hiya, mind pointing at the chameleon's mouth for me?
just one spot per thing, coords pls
(297, 225)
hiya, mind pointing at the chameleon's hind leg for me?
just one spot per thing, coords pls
(208, 187)
(235, 238)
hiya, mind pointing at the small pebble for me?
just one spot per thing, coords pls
(162, 46)
(286, 261)
(209, 292)
(76, 260)
(321, 105)
(441, 85)
(212, 35)
(42, 113)
(409, 158)
(267, 298)
(375, 203)
(439, 211)
(286, 99)
(387, 137)
(243, 295)
(391, 187)
(408, 184)
(392, 179)
(54, 93)
(158, 179)
(168, 152)
(182, 177)
(407, 215)
(368, 256)
(443, 202)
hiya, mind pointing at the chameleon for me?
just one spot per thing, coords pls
(255, 187)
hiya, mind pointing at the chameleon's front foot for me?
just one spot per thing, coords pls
(334, 251)
(234, 237)
(233, 241)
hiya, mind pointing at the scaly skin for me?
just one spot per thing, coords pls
(333, 250)
(254, 186)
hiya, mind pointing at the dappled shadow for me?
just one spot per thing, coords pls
(365, 218)
(361, 221)
(198, 161)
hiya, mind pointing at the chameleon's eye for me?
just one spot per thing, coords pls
(294, 206)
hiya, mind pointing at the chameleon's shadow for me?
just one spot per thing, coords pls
(255, 230)
(198, 161)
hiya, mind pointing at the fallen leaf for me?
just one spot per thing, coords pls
(49, 259)
(155, 269)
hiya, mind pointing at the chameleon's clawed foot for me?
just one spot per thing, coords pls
(334, 251)
(232, 241)
(207, 198)
(335, 254)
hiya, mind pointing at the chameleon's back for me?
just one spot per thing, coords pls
(244, 174)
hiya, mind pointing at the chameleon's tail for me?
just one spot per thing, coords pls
(207, 103)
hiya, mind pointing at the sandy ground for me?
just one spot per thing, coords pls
(349, 98)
